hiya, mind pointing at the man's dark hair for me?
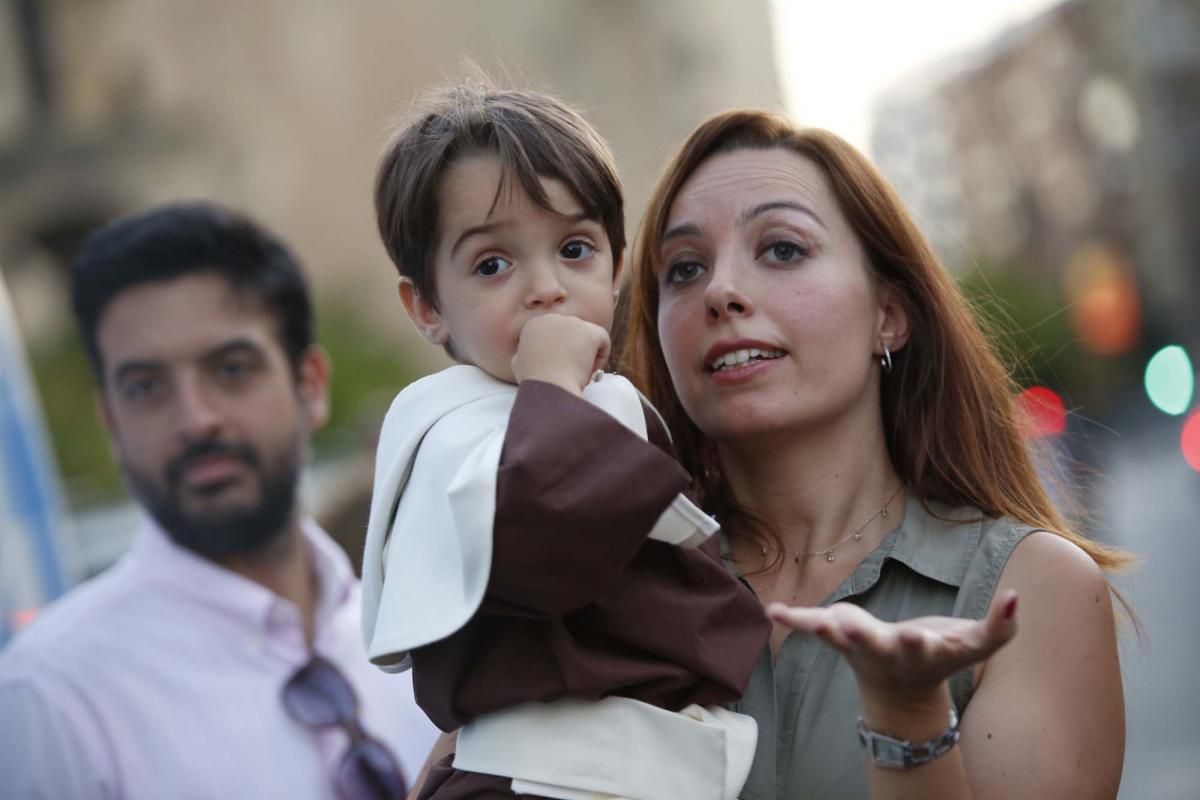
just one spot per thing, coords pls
(533, 135)
(173, 241)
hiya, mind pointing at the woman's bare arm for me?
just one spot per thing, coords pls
(1047, 718)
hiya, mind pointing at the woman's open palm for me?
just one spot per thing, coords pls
(910, 658)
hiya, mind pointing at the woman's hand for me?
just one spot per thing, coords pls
(904, 663)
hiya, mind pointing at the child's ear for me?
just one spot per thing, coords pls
(422, 313)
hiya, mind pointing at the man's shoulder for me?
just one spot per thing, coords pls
(74, 626)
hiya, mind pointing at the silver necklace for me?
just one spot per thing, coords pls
(856, 535)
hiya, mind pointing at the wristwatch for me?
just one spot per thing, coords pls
(887, 751)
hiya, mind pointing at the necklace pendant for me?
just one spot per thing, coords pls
(858, 537)
(829, 555)
(884, 514)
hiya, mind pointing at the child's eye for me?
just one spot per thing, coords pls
(576, 249)
(493, 265)
(684, 271)
(784, 252)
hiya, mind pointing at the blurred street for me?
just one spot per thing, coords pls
(1151, 504)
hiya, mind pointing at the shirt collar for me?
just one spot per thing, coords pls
(937, 540)
(933, 540)
(335, 576)
(201, 581)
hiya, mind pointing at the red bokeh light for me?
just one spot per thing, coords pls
(1043, 412)
(1189, 440)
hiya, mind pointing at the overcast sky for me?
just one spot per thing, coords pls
(836, 55)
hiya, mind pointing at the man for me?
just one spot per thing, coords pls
(222, 656)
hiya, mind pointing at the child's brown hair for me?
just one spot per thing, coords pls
(533, 135)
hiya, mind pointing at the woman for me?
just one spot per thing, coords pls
(856, 436)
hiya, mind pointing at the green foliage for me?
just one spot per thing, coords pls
(1027, 319)
(67, 391)
(368, 371)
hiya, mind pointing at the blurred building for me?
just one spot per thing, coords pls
(1161, 56)
(1069, 145)
(281, 107)
(910, 142)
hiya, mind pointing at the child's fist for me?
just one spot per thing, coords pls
(561, 350)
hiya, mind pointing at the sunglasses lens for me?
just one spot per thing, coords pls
(319, 696)
(369, 772)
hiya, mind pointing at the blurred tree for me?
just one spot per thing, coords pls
(1025, 315)
(67, 391)
(368, 371)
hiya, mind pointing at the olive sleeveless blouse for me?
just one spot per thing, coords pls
(938, 560)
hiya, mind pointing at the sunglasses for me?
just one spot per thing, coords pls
(318, 696)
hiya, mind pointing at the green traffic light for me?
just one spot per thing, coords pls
(1170, 380)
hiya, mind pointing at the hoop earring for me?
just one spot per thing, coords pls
(885, 360)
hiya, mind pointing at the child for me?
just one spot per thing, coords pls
(529, 552)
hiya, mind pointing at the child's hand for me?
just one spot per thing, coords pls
(562, 350)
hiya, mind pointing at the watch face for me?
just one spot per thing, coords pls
(888, 752)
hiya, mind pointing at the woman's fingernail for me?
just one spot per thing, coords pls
(1010, 608)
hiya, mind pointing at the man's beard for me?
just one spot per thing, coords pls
(221, 533)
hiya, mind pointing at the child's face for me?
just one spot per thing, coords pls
(497, 270)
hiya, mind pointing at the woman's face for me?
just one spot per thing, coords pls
(769, 316)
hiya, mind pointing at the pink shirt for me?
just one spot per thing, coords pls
(162, 678)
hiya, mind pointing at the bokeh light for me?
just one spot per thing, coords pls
(1108, 114)
(1170, 380)
(1043, 412)
(22, 617)
(1189, 440)
(1105, 310)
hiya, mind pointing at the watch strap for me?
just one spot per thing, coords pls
(888, 751)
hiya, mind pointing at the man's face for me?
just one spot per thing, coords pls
(206, 417)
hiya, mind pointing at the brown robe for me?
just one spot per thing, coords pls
(579, 602)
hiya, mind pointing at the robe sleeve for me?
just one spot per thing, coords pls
(576, 495)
